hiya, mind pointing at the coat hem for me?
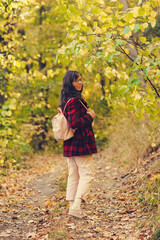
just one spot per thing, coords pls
(74, 155)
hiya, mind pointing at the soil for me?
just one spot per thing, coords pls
(33, 204)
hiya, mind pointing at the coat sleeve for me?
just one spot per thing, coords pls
(74, 118)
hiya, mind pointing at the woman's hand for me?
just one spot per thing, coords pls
(91, 112)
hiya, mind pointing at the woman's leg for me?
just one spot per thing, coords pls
(86, 173)
(73, 180)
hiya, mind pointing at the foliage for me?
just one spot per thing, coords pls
(156, 235)
(11, 143)
(115, 49)
(27, 75)
(149, 195)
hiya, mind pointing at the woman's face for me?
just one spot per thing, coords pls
(78, 83)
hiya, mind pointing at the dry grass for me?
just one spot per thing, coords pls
(130, 140)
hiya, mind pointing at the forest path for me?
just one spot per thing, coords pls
(33, 204)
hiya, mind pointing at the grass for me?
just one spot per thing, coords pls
(131, 140)
(131, 143)
(57, 234)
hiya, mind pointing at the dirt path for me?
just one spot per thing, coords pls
(33, 204)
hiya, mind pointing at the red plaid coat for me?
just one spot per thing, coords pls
(83, 142)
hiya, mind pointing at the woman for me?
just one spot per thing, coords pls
(78, 149)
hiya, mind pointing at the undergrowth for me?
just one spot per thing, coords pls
(131, 142)
(131, 139)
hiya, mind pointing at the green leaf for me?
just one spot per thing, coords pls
(116, 53)
(67, 52)
(137, 59)
(127, 89)
(108, 35)
(100, 55)
(110, 56)
(156, 63)
(3, 112)
(119, 42)
(137, 27)
(56, 60)
(130, 80)
(135, 67)
(147, 69)
(89, 60)
(67, 35)
(135, 82)
(5, 107)
(126, 29)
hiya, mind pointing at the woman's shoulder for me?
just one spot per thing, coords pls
(75, 102)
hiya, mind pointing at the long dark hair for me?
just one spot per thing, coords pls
(68, 90)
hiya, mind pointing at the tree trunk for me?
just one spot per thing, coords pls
(133, 52)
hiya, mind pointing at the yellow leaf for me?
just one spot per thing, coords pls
(141, 12)
(9, 113)
(11, 106)
(143, 39)
(1, 162)
(128, 34)
(5, 210)
(135, 11)
(28, 140)
(145, 25)
(121, 24)
(91, 196)
(129, 17)
(108, 10)
(120, 5)
(13, 121)
(152, 21)
(47, 203)
(156, 176)
(153, 144)
(123, 104)
(99, 229)
(50, 73)
(9, 131)
(153, 14)
(137, 96)
(59, 213)
(132, 27)
(98, 77)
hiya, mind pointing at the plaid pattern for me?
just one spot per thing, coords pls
(83, 142)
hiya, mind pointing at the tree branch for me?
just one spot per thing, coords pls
(142, 71)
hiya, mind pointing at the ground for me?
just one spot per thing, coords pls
(33, 204)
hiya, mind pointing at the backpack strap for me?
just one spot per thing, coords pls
(66, 105)
(83, 104)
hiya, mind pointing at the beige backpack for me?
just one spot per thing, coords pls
(60, 125)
